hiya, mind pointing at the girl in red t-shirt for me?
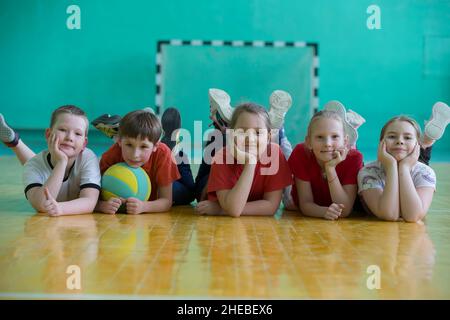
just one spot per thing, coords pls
(325, 170)
(248, 175)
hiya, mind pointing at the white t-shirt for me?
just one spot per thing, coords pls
(84, 173)
(373, 176)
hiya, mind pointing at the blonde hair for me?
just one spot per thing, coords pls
(411, 121)
(252, 108)
(328, 114)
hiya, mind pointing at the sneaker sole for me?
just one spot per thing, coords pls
(220, 100)
(355, 119)
(106, 120)
(435, 128)
(108, 130)
(280, 101)
(5, 130)
(102, 125)
(339, 108)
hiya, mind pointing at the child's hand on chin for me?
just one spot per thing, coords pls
(411, 159)
(384, 157)
(245, 157)
(53, 146)
(339, 155)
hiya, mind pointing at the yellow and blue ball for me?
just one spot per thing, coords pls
(122, 181)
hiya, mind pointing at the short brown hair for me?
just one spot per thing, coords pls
(402, 118)
(250, 108)
(70, 109)
(140, 123)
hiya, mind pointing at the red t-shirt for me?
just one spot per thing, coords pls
(161, 167)
(305, 167)
(225, 176)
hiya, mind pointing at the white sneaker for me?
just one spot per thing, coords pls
(280, 101)
(440, 118)
(220, 102)
(338, 107)
(355, 119)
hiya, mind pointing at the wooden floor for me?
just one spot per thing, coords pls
(181, 255)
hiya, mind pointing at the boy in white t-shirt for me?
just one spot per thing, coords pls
(65, 179)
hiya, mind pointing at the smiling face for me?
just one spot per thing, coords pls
(325, 137)
(71, 131)
(136, 151)
(251, 133)
(401, 138)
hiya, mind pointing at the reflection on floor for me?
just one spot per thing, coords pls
(179, 254)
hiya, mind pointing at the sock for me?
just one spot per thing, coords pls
(8, 135)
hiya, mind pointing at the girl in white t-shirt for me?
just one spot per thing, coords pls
(398, 185)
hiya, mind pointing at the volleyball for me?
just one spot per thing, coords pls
(122, 181)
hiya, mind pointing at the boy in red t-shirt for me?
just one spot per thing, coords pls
(138, 145)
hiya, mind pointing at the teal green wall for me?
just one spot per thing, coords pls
(109, 65)
(246, 73)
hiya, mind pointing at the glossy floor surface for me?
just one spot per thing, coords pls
(182, 255)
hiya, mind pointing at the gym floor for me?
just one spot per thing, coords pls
(181, 255)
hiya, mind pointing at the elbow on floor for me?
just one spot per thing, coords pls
(39, 207)
(414, 218)
(234, 214)
(388, 216)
